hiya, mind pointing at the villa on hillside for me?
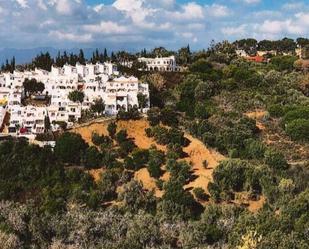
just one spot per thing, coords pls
(165, 64)
(266, 52)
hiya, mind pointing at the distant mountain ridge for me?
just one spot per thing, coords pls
(26, 55)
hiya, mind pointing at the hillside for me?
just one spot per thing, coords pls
(220, 160)
(196, 153)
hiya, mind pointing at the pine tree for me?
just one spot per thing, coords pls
(113, 57)
(81, 57)
(12, 65)
(58, 60)
(105, 56)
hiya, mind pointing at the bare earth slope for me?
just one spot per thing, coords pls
(197, 153)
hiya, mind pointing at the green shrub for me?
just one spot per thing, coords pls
(126, 147)
(101, 140)
(276, 110)
(131, 114)
(298, 129)
(254, 149)
(201, 66)
(298, 113)
(275, 159)
(112, 129)
(93, 158)
(154, 116)
(230, 175)
(156, 160)
(159, 184)
(121, 136)
(282, 63)
(70, 148)
(169, 116)
(202, 111)
(140, 157)
(200, 194)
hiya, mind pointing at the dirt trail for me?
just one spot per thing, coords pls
(255, 206)
(258, 115)
(96, 174)
(198, 153)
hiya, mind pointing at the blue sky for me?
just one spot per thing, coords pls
(136, 24)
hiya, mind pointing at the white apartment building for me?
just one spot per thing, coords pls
(95, 80)
(2, 116)
(160, 63)
(121, 93)
(27, 119)
(10, 97)
(241, 53)
(4, 95)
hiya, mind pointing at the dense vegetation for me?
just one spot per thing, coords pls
(48, 199)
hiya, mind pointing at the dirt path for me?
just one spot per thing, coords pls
(258, 115)
(198, 153)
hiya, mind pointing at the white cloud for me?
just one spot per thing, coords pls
(234, 31)
(98, 7)
(265, 14)
(189, 11)
(128, 5)
(42, 5)
(135, 10)
(163, 3)
(22, 3)
(217, 10)
(106, 28)
(303, 18)
(61, 35)
(296, 26)
(146, 23)
(252, 1)
(64, 7)
(293, 6)
(47, 23)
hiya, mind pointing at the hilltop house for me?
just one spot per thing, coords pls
(241, 53)
(267, 52)
(160, 63)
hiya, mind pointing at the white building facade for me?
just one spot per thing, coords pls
(166, 64)
(96, 81)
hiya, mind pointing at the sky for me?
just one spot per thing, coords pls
(137, 24)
